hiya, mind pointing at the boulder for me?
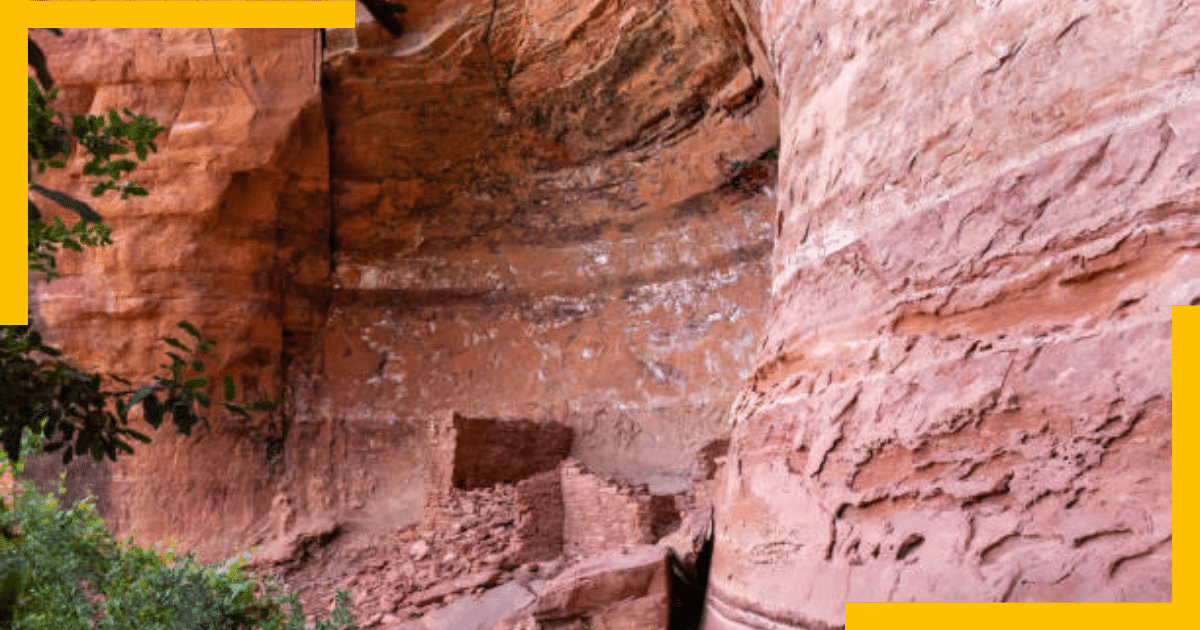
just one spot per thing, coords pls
(442, 589)
(610, 581)
(478, 612)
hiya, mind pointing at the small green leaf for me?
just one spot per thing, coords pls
(154, 411)
(230, 389)
(195, 383)
(176, 343)
(264, 405)
(191, 330)
(184, 420)
(139, 396)
(141, 437)
(237, 409)
(37, 59)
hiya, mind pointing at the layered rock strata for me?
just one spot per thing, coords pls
(563, 213)
(540, 210)
(986, 211)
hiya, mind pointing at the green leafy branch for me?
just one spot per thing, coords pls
(107, 142)
(69, 407)
(61, 568)
(183, 389)
(73, 408)
(46, 238)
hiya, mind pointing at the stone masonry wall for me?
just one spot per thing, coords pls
(488, 451)
(600, 514)
(479, 453)
(541, 517)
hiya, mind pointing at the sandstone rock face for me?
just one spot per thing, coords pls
(234, 239)
(953, 365)
(986, 211)
(554, 212)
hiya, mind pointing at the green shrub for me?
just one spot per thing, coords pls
(61, 569)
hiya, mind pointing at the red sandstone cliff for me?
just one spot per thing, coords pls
(554, 213)
(953, 368)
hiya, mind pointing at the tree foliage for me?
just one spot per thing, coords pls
(76, 409)
(63, 570)
(107, 141)
(73, 409)
(60, 568)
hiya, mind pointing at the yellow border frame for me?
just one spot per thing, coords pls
(859, 616)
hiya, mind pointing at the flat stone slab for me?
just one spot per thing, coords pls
(479, 612)
(599, 581)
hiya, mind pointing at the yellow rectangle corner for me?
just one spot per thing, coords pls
(192, 14)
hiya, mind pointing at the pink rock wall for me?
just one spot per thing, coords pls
(986, 211)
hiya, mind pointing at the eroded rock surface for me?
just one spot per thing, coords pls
(986, 212)
(628, 583)
(234, 239)
(954, 366)
(551, 213)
